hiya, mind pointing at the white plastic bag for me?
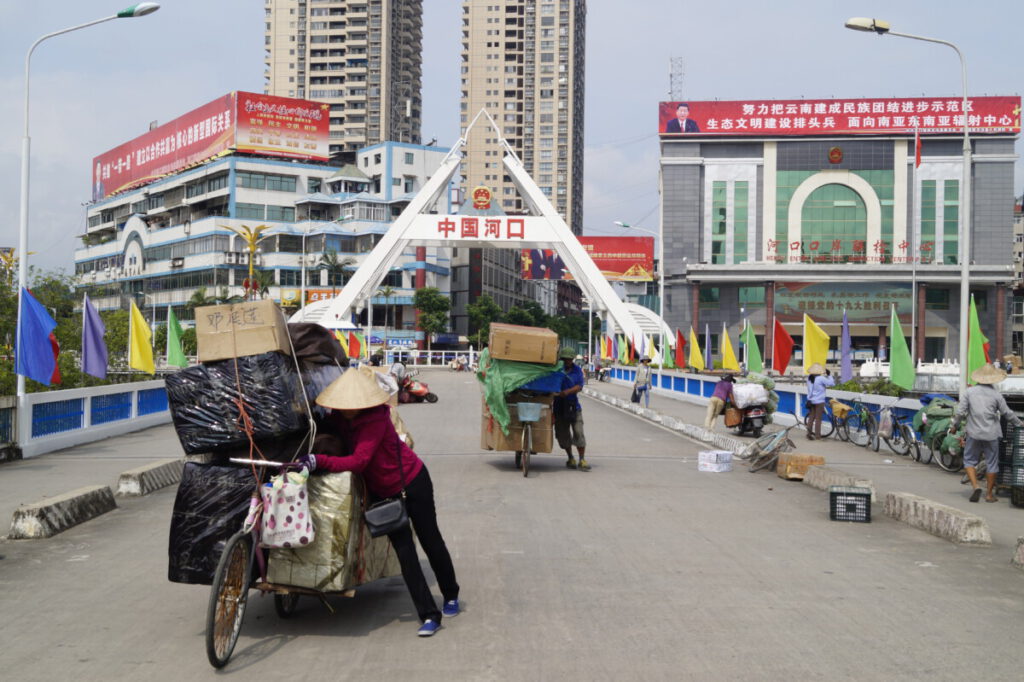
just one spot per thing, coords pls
(745, 395)
(885, 423)
(286, 520)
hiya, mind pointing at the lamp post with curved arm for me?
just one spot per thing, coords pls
(661, 283)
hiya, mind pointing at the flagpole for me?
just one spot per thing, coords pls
(913, 250)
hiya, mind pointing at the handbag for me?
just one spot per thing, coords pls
(388, 515)
(635, 397)
(286, 522)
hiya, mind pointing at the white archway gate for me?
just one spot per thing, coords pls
(542, 229)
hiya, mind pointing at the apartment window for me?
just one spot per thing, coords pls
(290, 278)
(250, 211)
(409, 158)
(283, 213)
(709, 297)
(376, 158)
(313, 185)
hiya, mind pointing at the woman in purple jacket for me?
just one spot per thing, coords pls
(361, 420)
(717, 401)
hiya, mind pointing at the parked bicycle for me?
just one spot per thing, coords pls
(902, 439)
(764, 452)
(828, 422)
(860, 426)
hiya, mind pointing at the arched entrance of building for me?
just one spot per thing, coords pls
(835, 205)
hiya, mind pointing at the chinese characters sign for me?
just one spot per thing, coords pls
(930, 115)
(848, 251)
(261, 124)
(865, 303)
(626, 259)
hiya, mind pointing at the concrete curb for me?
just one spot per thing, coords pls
(146, 479)
(822, 477)
(53, 515)
(719, 441)
(1018, 554)
(938, 519)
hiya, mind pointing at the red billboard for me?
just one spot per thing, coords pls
(240, 121)
(929, 115)
(622, 259)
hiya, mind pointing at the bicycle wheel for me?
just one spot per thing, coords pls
(527, 446)
(857, 429)
(758, 447)
(764, 462)
(841, 432)
(898, 441)
(286, 604)
(948, 461)
(913, 446)
(228, 597)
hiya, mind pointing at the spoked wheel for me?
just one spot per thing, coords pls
(858, 430)
(764, 462)
(228, 597)
(898, 441)
(841, 431)
(286, 604)
(519, 459)
(527, 447)
(947, 460)
(913, 445)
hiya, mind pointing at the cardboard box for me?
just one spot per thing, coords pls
(523, 344)
(493, 438)
(794, 466)
(714, 461)
(239, 329)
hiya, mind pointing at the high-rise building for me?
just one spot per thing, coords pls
(363, 57)
(522, 62)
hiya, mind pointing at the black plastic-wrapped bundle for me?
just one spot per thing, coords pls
(204, 409)
(211, 506)
(316, 378)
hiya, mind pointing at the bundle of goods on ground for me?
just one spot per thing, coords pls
(932, 422)
(253, 395)
(519, 365)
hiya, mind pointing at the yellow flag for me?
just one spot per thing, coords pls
(696, 357)
(342, 339)
(815, 344)
(140, 349)
(728, 355)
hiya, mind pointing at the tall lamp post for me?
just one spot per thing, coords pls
(139, 10)
(882, 28)
(661, 284)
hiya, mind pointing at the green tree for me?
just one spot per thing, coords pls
(535, 311)
(335, 266)
(200, 298)
(516, 315)
(387, 292)
(264, 279)
(434, 308)
(481, 314)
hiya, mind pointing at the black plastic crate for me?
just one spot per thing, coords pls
(846, 503)
(1011, 475)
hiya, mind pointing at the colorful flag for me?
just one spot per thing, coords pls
(94, 348)
(668, 360)
(901, 366)
(175, 355)
(343, 340)
(975, 343)
(55, 345)
(782, 348)
(34, 351)
(728, 355)
(680, 346)
(632, 350)
(816, 343)
(696, 359)
(354, 347)
(140, 350)
(846, 352)
(754, 363)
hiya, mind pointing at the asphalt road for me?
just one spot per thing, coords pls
(643, 568)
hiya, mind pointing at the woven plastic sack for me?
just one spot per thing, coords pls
(745, 395)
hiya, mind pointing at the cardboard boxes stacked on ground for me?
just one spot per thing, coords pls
(260, 375)
(519, 365)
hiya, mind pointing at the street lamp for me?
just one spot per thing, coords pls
(302, 282)
(882, 28)
(661, 283)
(252, 236)
(139, 10)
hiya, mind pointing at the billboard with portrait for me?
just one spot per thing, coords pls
(620, 259)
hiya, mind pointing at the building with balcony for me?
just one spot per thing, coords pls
(362, 57)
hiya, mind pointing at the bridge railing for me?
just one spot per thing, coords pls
(54, 420)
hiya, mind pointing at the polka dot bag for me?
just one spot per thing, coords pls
(286, 521)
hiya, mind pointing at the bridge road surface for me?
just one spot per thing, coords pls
(643, 569)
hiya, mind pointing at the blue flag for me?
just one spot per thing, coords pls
(846, 361)
(35, 352)
(94, 348)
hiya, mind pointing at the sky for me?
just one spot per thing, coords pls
(96, 88)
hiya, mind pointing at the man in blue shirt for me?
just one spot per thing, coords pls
(818, 379)
(568, 413)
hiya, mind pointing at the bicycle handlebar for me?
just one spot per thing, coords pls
(266, 463)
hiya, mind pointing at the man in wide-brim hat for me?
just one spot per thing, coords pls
(818, 380)
(982, 405)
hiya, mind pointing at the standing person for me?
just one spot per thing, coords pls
(361, 420)
(818, 379)
(642, 382)
(717, 401)
(982, 405)
(568, 413)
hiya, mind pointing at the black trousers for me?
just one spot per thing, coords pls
(419, 503)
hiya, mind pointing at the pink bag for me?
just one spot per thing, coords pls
(286, 521)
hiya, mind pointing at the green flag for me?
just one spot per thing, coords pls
(754, 363)
(668, 360)
(175, 356)
(975, 343)
(901, 365)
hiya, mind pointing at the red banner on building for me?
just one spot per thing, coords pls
(243, 121)
(930, 115)
(623, 259)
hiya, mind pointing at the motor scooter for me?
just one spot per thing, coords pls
(753, 420)
(604, 374)
(412, 390)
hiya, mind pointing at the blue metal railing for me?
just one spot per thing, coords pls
(7, 424)
(110, 408)
(57, 417)
(152, 400)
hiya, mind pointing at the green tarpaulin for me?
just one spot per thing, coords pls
(504, 376)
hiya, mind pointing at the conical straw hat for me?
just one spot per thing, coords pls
(987, 374)
(816, 368)
(353, 390)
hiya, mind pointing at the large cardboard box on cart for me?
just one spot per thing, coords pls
(492, 437)
(523, 344)
(238, 329)
(342, 554)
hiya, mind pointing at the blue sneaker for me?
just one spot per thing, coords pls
(428, 628)
(450, 608)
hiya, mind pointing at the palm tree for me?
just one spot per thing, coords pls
(387, 292)
(200, 299)
(334, 266)
(264, 280)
